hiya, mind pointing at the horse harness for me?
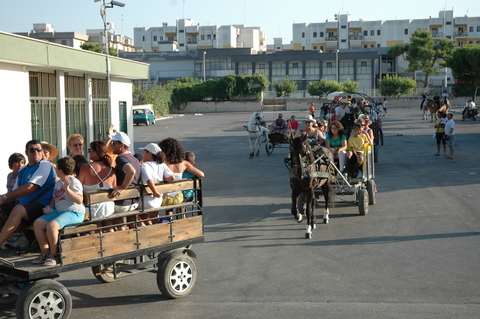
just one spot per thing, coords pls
(305, 168)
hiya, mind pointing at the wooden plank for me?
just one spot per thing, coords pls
(118, 242)
(78, 243)
(81, 228)
(104, 196)
(187, 228)
(154, 235)
(75, 256)
(172, 187)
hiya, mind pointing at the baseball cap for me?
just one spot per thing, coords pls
(121, 137)
(152, 148)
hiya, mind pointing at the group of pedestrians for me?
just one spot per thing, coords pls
(445, 134)
(50, 196)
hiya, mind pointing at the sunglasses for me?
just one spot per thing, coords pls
(76, 145)
(116, 142)
(35, 149)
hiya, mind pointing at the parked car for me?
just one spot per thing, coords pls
(143, 116)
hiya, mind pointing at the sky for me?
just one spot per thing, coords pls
(274, 17)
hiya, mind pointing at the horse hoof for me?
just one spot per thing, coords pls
(314, 226)
(299, 218)
(308, 235)
(251, 155)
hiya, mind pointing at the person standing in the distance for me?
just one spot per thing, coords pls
(385, 106)
(312, 110)
(450, 135)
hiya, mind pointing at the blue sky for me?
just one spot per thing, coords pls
(274, 17)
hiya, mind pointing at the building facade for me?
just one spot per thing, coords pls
(188, 36)
(45, 31)
(49, 91)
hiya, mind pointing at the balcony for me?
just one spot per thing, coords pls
(437, 35)
(460, 34)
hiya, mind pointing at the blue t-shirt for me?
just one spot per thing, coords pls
(41, 174)
(189, 192)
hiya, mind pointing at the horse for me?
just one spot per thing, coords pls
(307, 173)
(256, 129)
(434, 109)
(425, 107)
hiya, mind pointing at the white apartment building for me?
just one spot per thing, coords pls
(345, 34)
(188, 36)
(45, 31)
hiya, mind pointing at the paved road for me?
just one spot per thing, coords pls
(415, 255)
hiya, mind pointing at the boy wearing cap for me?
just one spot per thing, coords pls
(127, 169)
(154, 170)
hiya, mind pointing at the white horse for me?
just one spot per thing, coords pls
(424, 107)
(256, 129)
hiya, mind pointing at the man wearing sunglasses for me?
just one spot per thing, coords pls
(33, 191)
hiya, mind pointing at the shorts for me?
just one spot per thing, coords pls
(34, 210)
(451, 141)
(122, 209)
(172, 200)
(439, 137)
(64, 218)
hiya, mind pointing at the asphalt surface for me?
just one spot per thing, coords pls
(415, 255)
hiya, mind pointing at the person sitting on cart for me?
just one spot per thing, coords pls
(294, 125)
(356, 147)
(313, 135)
(33, 190)
(279, 125)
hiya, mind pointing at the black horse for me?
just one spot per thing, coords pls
(309, 171)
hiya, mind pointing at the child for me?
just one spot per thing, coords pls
(66, 208)
(17, 239)
(15, 162)
(188, 194)
(355, 147)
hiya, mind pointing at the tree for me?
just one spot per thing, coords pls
(465, 65)
(285, 88)
(323, 87)
(393, 85)
(423, 54)
(350, 86)
(96, 47)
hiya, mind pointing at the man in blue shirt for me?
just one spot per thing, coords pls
(31, 193)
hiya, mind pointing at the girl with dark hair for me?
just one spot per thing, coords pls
(175, 160)
(98, 175)
(336, 142)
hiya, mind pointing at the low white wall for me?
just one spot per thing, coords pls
(220, 107)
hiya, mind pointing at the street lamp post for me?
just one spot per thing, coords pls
(103, 14)
(336, 63)
(204, 70)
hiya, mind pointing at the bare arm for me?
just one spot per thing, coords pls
(151, 185)
(20, 192)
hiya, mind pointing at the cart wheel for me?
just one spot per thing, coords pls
(105, 273)
(372, 192)
(269, 147)
(44, 298)
(363, 202)
(177, 276)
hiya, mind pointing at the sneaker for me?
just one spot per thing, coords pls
(16, 240)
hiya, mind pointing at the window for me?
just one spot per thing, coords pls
(448, 23)
(181, 31)
(245, 68)
(470, 42)
(262, 68)
(460, 44)
(314, 34)
(202, 37)
(470, 29)
(343, 27)
(365, 46)
(346, 67)
(365, 32)
(378, 32)
(372, 32)
(182, 44)
(161, 38)
(294, 68)
(321, 34)
(405, 31)
(312, 68)
(303, 34)
(154, 38)
(315, 47)
(329, 68)
(279, 69)
(209, 37)
(321, 47)
(343, 40)
(478, 42)
(372, 45)
(143, 38)
(478, 28)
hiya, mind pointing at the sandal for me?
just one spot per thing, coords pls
(52, 260)
(40, 259)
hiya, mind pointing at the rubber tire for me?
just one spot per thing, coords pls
(269, 147)
(40, 293)
(176, 277)
(153, 122)
(363, 202)
(371, 189)
(147, 123)
(104, 276)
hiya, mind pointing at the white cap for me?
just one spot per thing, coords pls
(152, 148)
(121, 137)
(345, 101)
